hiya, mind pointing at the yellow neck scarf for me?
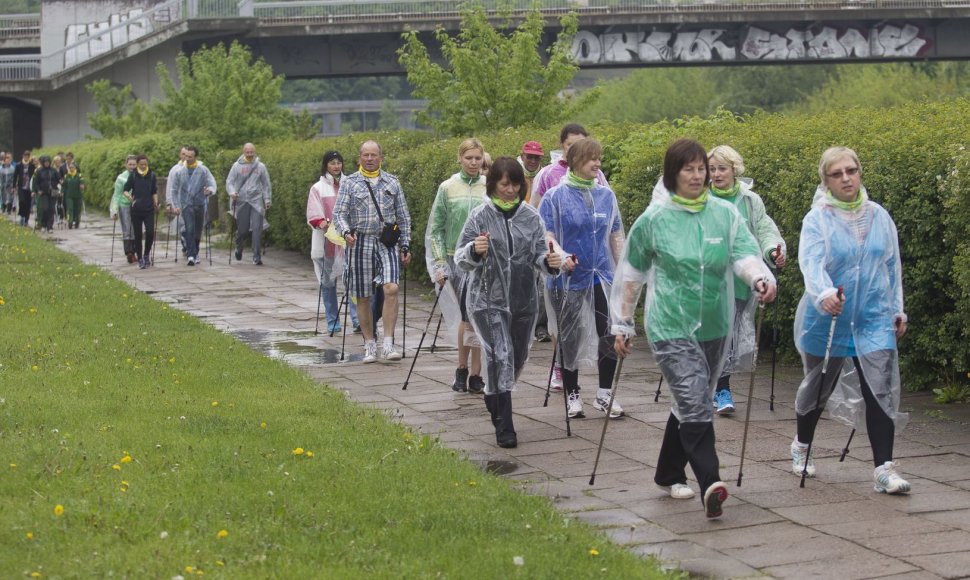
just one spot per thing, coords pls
(72, 172)
(192, 165)
(142, 173)
(369, 174)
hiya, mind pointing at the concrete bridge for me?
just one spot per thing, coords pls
(49, 59)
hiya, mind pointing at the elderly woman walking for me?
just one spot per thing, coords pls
(851, 314)
(687, 247)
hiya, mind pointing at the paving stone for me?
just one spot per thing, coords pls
(952, 565)
(642, 533)
(897, 526)
(604, 518)
(836, 513)
(957, 519)
(736, 515)
(863, 564)
(920, 544)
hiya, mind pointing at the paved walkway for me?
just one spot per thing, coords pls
(836, 527)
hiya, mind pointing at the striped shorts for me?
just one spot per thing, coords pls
(371, 262)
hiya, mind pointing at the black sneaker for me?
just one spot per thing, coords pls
(476, 385)
(257, 262)
(542, 335)
(461, 381)
(238, 255)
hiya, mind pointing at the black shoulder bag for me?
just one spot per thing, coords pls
(390, 233)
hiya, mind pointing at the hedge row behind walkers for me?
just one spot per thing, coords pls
(913, 161)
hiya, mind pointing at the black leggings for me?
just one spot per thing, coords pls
(607, 356)
(881, 429)
(148, 221)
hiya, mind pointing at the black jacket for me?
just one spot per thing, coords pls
(142, 188)
(18, 175)
(46, 180)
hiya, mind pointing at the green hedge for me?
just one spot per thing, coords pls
(913, 163)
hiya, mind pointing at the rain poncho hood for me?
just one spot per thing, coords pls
(688, 260)
(249, 180)
(859, 251)
(320, 202)
(587, 223)
(502, 299)
(456, 197)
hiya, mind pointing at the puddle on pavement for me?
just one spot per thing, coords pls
(295, 348)
(496, 466)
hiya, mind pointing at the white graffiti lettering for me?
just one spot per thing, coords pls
(101, 42)
(753, 43)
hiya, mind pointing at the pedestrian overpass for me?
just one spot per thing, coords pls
(51, 57)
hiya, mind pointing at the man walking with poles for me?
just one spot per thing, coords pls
(372, 215)
(191, 186)
(251, 195)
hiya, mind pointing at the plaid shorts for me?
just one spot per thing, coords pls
(371, 262)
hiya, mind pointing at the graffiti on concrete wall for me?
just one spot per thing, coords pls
(749, 43)
(84, 41)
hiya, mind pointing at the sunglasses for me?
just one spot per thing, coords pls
(851, 172)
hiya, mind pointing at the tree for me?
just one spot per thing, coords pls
(495, 78)
(119, 113)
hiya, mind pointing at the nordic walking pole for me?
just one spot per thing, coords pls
(232, 230)
(114, 227)
(168, 233)
(845, 450)
(774, 345)
(316, 328)
(154, 236)
(414, 359)
(656, 396)
(434, 342)
(208, 232)
(747, 412)
(404, 315)
(821, 387)
(340, 305)
(178, 236)
(606, 419)
(559, 325)
(552, 367)
(343, 341)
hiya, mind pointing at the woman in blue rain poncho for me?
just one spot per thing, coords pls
(502, 246)
(582, 219)
(850, 242)
(726, 168)
(686, 248)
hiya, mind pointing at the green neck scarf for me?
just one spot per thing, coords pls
(505, 205)
(860, 198)
(729, 193)
(531, 174)
(577, 181)
(467, 178)
(694, 205)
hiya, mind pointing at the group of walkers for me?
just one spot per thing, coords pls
(501, 253)
(50, 188)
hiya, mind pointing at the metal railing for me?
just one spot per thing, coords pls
(19, 67)
(19, 26)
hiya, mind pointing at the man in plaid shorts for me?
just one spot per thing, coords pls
(367, 200)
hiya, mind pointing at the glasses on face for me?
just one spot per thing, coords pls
(850, 172)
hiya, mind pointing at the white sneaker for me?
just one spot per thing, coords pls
(575, 406)
(678, 490)
(888, 481)
(798, 452)
(370, 351)
(557, 378)
(389, 352)
(602, 402)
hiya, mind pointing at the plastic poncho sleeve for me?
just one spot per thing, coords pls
(117, 197)
(812, 252)
(632, 272)
(434, 240)
(765, 229)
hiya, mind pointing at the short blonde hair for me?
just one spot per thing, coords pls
(486, 161)
(469, 144)
(728, 155)
(833, 154)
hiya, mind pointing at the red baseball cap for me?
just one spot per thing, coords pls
(532, 148)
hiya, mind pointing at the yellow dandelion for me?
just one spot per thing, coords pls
(594, 552)
(263, 424)
(116, 467)
(1, 301)
(215, 403)
(32, 310)
(35, 368)
(472, 483)
(13, 466)
(172, 360)
(36, 575)
(309, 454)
(30, 535)
(128, 360)
(222, 534)
(126, 458)
(298, 451)
(58, 510)
(220, 563)
(189, 569)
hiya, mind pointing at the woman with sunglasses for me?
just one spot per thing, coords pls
(852, 315)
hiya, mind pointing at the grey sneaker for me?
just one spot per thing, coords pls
(370, 351)
(798, 453)
(888, 481)
(390, 353)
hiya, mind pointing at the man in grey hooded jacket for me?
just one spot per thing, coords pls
(250, 195)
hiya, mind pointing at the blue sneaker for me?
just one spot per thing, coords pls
(335, 328)
(723, 402)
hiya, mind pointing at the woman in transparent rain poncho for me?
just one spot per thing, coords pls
(849, 241)
(582, 219)
(726, 168)
(686, 248)
(456, 196)
(502, 246)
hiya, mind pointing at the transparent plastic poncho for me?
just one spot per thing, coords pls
(502, 299)
(859, 251)
(320, 202)
(587, 223)
(687, 260)
(455, 198)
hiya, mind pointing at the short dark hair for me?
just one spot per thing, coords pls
(505, 167)
(193, 149)
(140, 157)
(572, 129)
(680, 153)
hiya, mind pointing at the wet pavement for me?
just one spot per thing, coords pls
(836, 527)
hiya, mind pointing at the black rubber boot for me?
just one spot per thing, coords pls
(504, 430)
(476, 385)
(461, 381)
(491, 403)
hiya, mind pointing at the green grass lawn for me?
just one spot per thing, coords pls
(135, 441)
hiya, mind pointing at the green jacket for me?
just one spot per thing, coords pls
(119, 199)
(71, 186)
(456, 197)
(690, 256)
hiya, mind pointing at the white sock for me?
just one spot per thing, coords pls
(370, 342)
(603, 394)
(799, 444)
(388, 342)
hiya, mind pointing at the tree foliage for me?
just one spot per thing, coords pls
(119, 113)
(495, 76)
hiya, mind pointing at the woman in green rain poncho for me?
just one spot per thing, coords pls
(686, 248)
(456, 197)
